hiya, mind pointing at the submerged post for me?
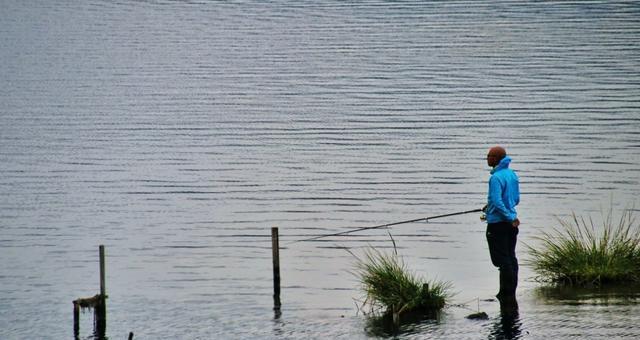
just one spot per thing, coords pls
(101, 308)
(275, 249)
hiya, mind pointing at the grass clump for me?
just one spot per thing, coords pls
(392, 289)
(584, 254)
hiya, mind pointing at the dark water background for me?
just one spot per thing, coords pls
(178, 133)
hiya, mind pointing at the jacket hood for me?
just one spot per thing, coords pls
(504, 164)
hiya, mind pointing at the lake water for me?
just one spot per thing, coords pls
(178, 133)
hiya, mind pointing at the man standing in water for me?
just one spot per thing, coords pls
(502, 221)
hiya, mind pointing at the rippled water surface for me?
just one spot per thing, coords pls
(178, 133)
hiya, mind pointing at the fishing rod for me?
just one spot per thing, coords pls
(388, 225)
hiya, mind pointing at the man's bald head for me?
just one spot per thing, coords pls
(495, 155)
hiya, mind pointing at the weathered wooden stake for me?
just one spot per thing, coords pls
(102, 273)
(76, 318)
(101, 309)
(275, 249)
(396, 317)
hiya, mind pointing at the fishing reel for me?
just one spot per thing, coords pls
(483, 217)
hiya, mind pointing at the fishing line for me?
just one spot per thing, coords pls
(386, 225)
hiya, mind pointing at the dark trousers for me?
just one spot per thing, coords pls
(502, 239)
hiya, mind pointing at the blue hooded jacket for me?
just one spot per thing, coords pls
(504, 193)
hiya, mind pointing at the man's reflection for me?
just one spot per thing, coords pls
(508, 325)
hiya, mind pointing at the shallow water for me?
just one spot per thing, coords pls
(178, 133)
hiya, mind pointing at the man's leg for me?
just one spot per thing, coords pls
(513, 238)
(500, 240)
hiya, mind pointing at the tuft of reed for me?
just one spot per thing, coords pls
(582, 253)
(391, 288)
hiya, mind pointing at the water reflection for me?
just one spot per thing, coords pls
(410, 323)
(97, 335)
(602, 312)
(606, 295)
(507, 325)
(278, 324)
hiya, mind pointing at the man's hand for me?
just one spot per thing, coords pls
(515, 223)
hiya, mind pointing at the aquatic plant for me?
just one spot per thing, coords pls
(391, 288)
(581, 253)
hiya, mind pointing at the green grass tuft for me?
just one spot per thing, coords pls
(581, 253)
(390, 287)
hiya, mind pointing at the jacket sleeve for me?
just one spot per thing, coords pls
(495, 199)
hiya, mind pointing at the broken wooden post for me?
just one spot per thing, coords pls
(97, 302)
(275, 249)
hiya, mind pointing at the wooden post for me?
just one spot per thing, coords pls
(97, 302)
(130, 335)
(395, 313)
(275, 249)
(76, 319)
(101, 309)
(102, 274)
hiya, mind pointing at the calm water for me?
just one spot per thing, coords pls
(178, 133)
